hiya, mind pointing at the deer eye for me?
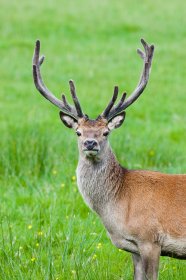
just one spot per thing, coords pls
(78, 133)
(106, 133)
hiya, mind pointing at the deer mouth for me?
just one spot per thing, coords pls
(91, 153)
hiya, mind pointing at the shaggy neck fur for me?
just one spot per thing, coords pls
(99, 180)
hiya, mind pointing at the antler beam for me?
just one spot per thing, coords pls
(76, 111)
(112, 110)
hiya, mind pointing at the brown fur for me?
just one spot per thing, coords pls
(88, 123)
(153, 200)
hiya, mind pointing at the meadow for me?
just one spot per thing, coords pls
(46, 230)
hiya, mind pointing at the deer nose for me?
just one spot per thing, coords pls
(90, 144)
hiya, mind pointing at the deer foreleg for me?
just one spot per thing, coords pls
(138, 267)
(150, 254)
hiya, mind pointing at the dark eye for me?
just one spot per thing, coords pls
(106, 133)
(78, 133)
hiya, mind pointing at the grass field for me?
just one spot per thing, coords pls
(46, 231)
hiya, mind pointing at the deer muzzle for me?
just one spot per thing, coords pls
(91, 145)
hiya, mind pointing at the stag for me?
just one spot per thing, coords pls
(144, 212)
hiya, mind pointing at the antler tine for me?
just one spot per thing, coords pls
(121, 101)
(38, 79)
(70, 108)
(62, 104)
(75, 99)
(111, 103)
(67, 105)
(147, 56)
(116, 109)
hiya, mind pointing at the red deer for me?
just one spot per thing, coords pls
(144, 212)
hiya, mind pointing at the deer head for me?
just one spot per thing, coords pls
(93, 134)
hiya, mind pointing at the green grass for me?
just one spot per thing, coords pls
(46, 231)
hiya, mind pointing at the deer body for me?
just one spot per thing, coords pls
(117, 195)
(144, 212)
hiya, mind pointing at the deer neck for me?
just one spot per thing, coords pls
(99, 180)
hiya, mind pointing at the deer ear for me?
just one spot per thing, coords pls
(68, 120)
(116, 121)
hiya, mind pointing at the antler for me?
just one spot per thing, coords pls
(112, 110)
(76, 111)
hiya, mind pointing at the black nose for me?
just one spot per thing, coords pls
(90, 144)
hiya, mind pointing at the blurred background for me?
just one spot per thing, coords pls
(46, 231)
